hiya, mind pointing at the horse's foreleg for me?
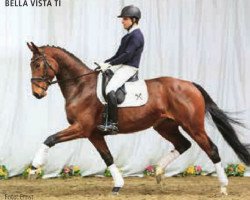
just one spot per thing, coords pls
(100, 144)
(72, 132)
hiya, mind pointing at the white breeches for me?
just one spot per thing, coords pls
(121, 74)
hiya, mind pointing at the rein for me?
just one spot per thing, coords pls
(71, 79)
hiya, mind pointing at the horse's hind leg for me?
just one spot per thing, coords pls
(197, 132)
(168, 129)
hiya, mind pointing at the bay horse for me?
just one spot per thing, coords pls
(172, 103)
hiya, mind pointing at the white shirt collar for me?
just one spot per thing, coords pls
(134, 27)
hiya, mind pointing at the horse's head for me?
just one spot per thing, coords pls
(43, 68)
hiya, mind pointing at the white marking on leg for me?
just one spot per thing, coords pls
(222, 177)
(167, 159)
(163, 163)
(41, 156)
(117, 177)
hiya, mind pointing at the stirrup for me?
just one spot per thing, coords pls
(103, 128)
(110, 127)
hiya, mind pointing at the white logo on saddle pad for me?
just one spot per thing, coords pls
(137, 93)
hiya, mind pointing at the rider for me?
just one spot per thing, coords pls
(124, 63)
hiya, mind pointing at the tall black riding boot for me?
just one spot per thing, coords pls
(111, 125)
(112, 112)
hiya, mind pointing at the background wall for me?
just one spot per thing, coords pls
(204, 41)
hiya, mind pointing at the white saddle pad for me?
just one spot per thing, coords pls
(137, 93)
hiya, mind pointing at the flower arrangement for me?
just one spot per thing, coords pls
(235, 169)
(107, 173)
(4, 174)
(149, 170)
(39, 172)
(193, 170)
(69, 171)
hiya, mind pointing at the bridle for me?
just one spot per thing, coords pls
(45, 77)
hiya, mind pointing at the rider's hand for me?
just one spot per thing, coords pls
(104, 66)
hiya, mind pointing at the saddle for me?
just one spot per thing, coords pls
(121, 92)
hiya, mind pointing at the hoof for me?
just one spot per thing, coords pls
(32, 175)
(115, 190)
(223, 190)
(159, 174)
(158, 178)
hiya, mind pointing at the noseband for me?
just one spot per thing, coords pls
(45, 77)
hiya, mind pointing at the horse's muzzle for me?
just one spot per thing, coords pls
(39, 96)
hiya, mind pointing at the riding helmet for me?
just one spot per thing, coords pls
(131, 11)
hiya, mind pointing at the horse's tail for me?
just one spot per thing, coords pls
(223, 123)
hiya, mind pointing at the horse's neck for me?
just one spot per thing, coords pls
(70, 68)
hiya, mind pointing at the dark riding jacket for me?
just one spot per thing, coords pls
(130, 50)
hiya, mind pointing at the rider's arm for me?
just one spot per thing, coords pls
(113, 57)
(128, 52)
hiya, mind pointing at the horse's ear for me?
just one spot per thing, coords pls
(33, 48)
